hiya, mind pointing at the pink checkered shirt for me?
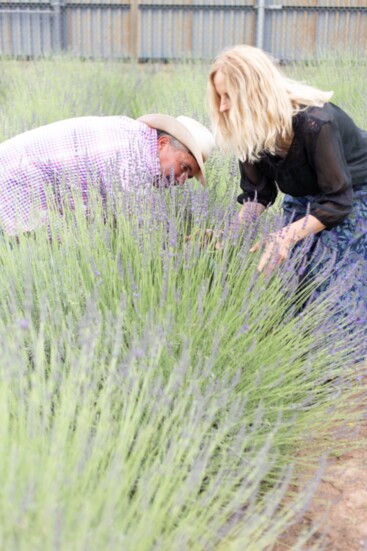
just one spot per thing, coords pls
(111, 153)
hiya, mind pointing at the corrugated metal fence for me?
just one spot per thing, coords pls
(180, 29)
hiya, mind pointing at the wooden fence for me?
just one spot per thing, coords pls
(180, 29)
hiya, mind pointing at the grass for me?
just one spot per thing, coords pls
(156, 394)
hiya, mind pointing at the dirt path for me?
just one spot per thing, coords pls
(339, 507)
(340, 503)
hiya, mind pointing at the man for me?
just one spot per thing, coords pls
(44, 166)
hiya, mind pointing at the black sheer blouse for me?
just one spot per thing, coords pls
(327, 160)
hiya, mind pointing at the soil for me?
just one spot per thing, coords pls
(338, 511)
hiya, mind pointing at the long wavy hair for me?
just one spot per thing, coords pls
(262, 102)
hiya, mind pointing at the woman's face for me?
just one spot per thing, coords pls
(220, 86)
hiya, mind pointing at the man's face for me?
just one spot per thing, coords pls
(175, 164)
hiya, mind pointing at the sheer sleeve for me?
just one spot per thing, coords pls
(333, 204)
(256, 185)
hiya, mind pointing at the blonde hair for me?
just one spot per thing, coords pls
(262, 102)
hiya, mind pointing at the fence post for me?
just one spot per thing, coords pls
(57, 25)
(134, 30)
(189, 30)
(260, 23)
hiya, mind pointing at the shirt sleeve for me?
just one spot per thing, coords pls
(256, 185)
(334, 202)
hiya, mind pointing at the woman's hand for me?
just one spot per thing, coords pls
(249, 212)
(277, 248)
(279, 244)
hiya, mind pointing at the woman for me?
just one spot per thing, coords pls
(289, 136)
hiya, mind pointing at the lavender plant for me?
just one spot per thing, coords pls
(157, 393)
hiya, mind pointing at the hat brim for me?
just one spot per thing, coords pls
(173, 127)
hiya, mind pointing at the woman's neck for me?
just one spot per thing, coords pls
(283, 145)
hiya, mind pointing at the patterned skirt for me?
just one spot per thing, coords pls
(343, 246)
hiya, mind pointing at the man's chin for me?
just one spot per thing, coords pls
(164, 182)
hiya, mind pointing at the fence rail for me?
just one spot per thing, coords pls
(290, 29)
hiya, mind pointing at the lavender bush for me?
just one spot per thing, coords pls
(158, 393)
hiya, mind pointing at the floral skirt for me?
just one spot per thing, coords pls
(344, 246)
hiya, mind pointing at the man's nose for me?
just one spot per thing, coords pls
(182, 178)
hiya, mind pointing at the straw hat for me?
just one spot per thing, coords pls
(191, 133)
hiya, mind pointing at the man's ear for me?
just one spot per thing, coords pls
(162, 142)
